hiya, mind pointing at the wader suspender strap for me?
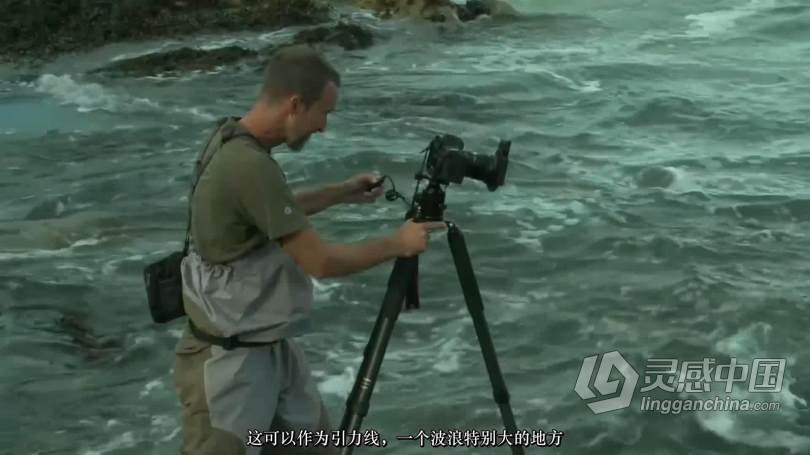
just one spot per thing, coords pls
(199, 167)
(231, 342)
(200, 164)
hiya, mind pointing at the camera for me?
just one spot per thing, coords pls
(448, 162)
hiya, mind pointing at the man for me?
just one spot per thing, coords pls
(247, 277)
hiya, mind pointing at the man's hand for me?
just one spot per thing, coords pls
(412, 237)
(355, 189)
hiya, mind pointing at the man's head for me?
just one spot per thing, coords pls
(300, 89)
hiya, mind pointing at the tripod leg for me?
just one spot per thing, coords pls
(472, 296)
(358, 401)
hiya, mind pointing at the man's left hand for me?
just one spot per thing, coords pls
(355, 189)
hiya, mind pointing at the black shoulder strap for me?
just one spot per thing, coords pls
(199, 166)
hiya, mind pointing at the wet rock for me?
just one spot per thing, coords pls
(178, 61)
(37, 30)
(440, 11)
(472, 10)
(81, 334)
(655, 177)
(346, 35)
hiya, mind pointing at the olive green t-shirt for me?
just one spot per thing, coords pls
(242, 199)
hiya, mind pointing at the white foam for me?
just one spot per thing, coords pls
(729, 427)
(583, 87)
(447, 358)
(150, 386)
(195, 112)
(721, 21)
(509, 201)
(34, 254)
(221, 43)
(758, 428)
(85, 242)
(50, 253)
(274, 36)
(124, 440)
(143, 340)
(153, 50)
(417, 318)
(161, 421)
(339, 385)
(172, 435)
(109, 267)
(89, 274)
(531, 239)
(323, 291)
(90, 96)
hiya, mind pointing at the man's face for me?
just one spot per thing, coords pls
(303, 122)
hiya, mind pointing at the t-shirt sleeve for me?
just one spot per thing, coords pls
(264, 197)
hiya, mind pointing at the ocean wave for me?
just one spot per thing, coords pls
(91, 96)
(721, 21)
(662, 247)
(787, 209)
(699, 115)
(797, 26)
(153, 50)
(767, 430)
(125, 440)
(624, 70)
(339, 385)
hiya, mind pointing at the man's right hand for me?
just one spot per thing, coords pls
(412, 237)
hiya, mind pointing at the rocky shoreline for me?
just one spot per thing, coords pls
(35, 31)
(183, 60)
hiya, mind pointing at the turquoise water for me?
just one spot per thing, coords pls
(656, 204)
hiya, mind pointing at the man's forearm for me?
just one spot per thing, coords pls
(346, 259)
(314, 201)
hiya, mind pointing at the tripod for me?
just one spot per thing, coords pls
(403, 284)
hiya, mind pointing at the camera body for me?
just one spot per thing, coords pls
(448, 162)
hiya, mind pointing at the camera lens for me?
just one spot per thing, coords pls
(479, 167)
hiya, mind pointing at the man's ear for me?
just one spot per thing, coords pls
(295, 104)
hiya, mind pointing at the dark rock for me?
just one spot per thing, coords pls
(81, 334)
(348, 36)
(655, 177)
(37, 30)
(472, 10)
(178, 61)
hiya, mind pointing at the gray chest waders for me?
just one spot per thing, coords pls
(254, 300)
